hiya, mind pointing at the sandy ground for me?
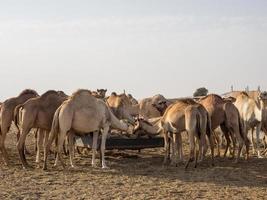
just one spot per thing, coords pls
(132, 175)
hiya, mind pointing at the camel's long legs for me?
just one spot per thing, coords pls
(258, 130)
(94, 147)
(103, 145)
(3, 148)
(71, 147)
(21, 146)
(40, 140)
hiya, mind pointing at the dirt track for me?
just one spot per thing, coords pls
(133, 176)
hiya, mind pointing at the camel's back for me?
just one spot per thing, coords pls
(212, 103)
(175, 111)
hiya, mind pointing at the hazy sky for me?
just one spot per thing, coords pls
(143, 46)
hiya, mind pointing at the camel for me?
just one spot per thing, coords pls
(147, 106)
(225, 115)
(253, 94)
(37, 113)
(82, 113)
(122, 107)
(179, 117)
(99, 93)
(252, 113)
(7, 112)
(132, 99)
(151, 126)
(205, 118)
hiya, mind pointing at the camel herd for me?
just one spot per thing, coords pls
(207, 121)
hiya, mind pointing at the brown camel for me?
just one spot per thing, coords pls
(179, 117)
(132, 99)
(38, 113)
(252, 113)
(122, 107)
(224, 114)
(100, 93)
(6, 115)
(82, 113)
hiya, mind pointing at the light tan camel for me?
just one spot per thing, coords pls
(122, 107)
(6, 115)
(224, 114)
(147, 106)
(38, 113)
(152, 126)
(180, 117)
(83, 113)
(254, 94)
(206, 124)
(251, 113)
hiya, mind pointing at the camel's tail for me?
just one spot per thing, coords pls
(198, 125)
(16, 115)
(208, 128)
(54, 128)
(242, 130)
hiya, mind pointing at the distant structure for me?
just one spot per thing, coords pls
(247, 89)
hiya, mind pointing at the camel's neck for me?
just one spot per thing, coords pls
(151, 129)
(259, 110)
(135, 109)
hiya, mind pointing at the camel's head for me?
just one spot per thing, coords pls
(230, 99)
(62, 94)
(139, 123)
(130, 126)
(160, 103)
(263, 96)
(102, 92)
(133, 100)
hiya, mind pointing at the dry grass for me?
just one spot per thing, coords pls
(133, 175)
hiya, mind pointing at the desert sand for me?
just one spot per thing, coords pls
(132, 175)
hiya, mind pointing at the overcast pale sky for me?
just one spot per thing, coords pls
(143, 46)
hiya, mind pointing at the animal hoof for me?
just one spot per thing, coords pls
(25, 167)
(72, 167)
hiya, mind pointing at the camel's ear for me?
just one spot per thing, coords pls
(105, 90)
